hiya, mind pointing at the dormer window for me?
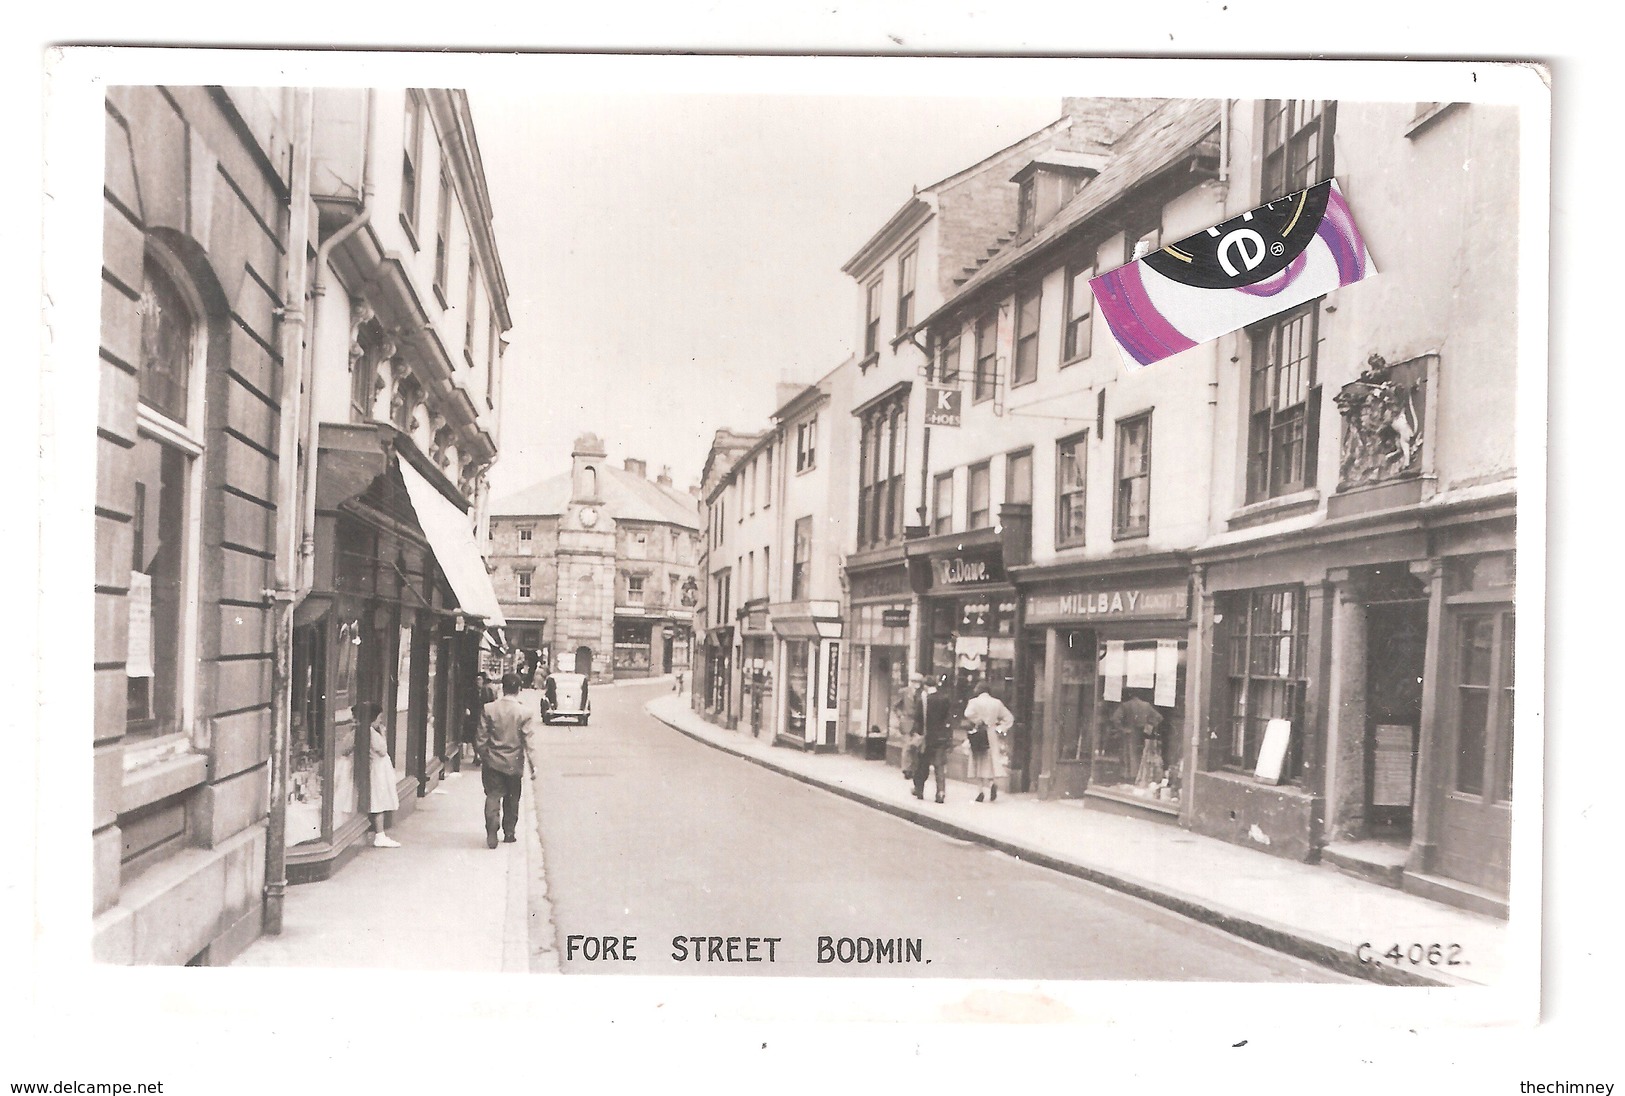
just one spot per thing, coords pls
(1028, 204)
(1049, 181)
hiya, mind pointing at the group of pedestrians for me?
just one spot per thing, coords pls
(500, 727)
(932, 738)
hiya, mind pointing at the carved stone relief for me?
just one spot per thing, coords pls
(1383, 414)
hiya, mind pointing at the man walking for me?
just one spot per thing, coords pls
(932, 715)
(503, 737)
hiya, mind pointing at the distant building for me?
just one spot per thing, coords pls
(599, 565)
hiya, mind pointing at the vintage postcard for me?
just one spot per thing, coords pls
(968, 540)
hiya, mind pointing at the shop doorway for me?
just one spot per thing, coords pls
(1027, 736)
(1475, 833)
(1075, 713)
(1396, 646)
(584, 660)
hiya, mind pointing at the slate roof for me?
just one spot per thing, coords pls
(627, 497)
(1159, 139)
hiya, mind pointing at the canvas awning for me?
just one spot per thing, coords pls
(445, 527)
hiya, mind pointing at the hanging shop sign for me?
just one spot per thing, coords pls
(942, 405)
(1114, 603)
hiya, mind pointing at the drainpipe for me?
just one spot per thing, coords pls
(318, 289)
(284, 596)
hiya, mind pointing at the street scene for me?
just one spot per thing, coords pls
(618, 535)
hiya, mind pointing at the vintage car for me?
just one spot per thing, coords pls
(564, 696)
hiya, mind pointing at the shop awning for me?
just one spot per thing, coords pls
(445, 526)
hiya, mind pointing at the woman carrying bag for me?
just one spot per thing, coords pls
(990, 722)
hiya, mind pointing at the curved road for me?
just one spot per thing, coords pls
(649, 834)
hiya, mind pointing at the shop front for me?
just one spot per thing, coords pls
(968, 624)
(390, 631)
(634, 645)
(1107, 674)
(756, 711)
(808, 635)
(717, 689)
(880, 702)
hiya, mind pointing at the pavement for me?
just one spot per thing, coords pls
(443, 901)
(1310, 911)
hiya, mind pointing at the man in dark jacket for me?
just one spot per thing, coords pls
(934, 714)
(504, 734)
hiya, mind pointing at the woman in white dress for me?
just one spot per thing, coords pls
(381, 778)
(987, 712)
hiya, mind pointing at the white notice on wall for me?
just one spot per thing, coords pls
(1393, 767)
(138, 647)
(1167, 694)
(1112, 665)
(1142, 667)
(1272, 754)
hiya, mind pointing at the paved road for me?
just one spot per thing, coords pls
(649, 834)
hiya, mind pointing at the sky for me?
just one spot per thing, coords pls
(670, 258)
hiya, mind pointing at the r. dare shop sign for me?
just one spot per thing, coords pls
(1120, 603)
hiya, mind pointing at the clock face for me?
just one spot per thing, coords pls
(589, 517)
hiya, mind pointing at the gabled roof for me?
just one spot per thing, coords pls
(627, 497)
(1156, 142)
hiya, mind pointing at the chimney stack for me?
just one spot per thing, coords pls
(664, 479)
(637, 467)
(785, 392)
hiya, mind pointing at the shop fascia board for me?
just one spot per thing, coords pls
(970, 540)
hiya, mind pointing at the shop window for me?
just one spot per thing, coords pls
(1297, 145)
(948, 359)
(1071, 462)
(1026, 364)
(1139, 738)
(978, 497)
(524, 578)
(167, 464)
(985, 379)
(1284, 402)
(1266, 632)
(1132, 511)
(942, 504)
(1080, 312)
(801, 565)
(1484, 705)
(905, 291)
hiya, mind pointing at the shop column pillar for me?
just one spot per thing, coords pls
(1345, 719)
(1317, 660)
(1424, 838)
(1052, 720)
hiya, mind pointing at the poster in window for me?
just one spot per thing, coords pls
(1141, 667)
(138, 648)
(1113, 663)
(1167, 689)
(1111, 689)
(1392, 775)
(1272, 754)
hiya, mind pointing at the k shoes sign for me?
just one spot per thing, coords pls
(942, 406)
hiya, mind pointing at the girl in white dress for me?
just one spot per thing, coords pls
(381, 775)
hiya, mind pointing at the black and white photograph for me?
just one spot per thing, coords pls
(856, 539)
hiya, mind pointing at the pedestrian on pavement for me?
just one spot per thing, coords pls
(504, 737)
(933, 717)
(912, 729)
(990, 721)
(383, 799)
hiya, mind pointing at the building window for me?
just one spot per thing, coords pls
(492, 345)
(1026, 365)
(1284, 403)
(1071, 463)
(987, 351)
(1027, 204)
(524, 578)
(880, 472)
(905, 291)
(942, 504)
(526, 532)
(750, 486)
(1297, 145)
(871, 320)
(948, 359)
(801, 565)
(470, 299)
(1080, 313)
(767, 571)
(1265, 674)
(1143, 236)
(1132, 514)
(978, 497)
(634, 589)
(767, 477)
(411, 158)
(1483, 711)
(1018, 478)
(442, 239)
(807, 444)
(166, 460)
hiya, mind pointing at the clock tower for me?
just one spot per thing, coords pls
(586, 565)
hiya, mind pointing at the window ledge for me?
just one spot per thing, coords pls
(869, 361)
(162, 779)
(411, 233)
(1427, 118)
(1283, 506)
(1248, 780)
(440, 295)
